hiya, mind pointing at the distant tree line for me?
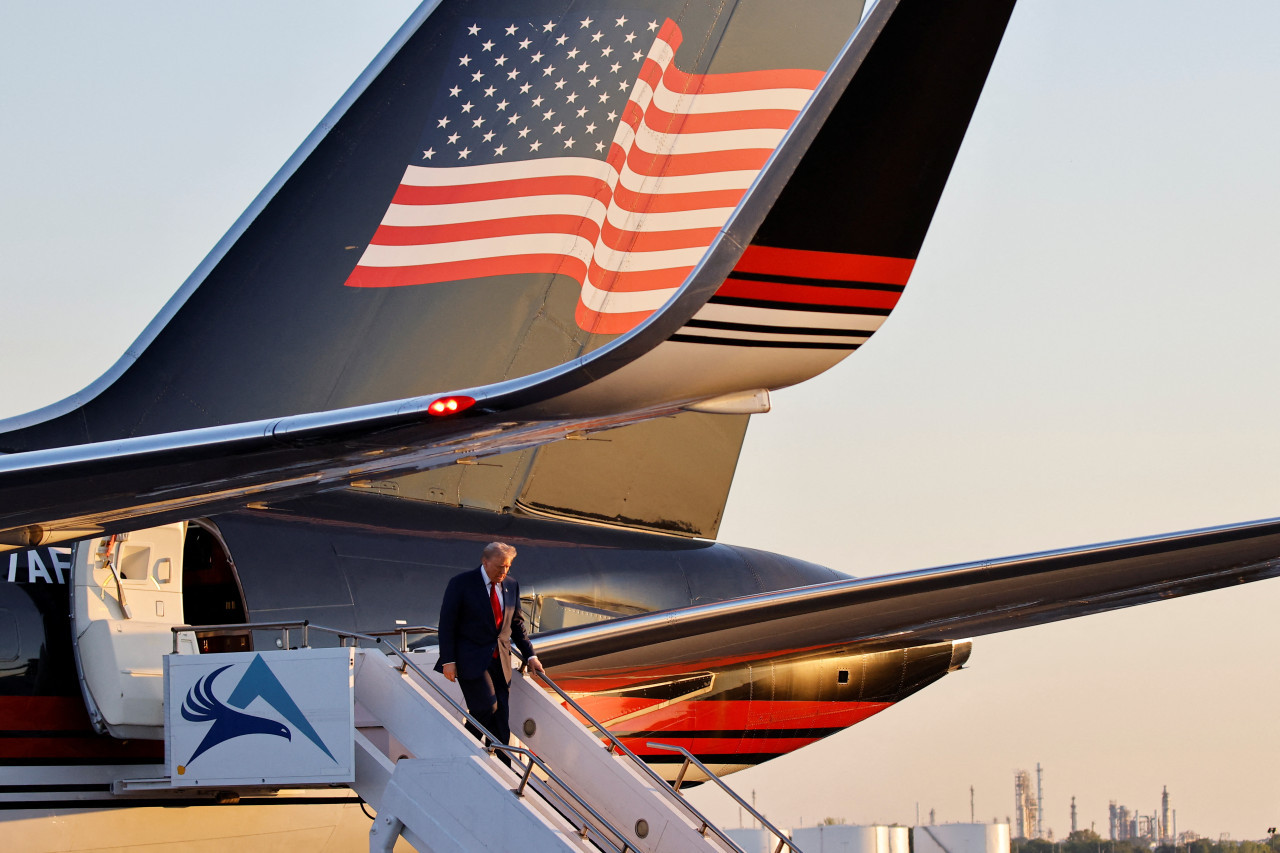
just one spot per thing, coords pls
(1088, 841)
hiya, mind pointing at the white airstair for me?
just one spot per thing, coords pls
(357, 711)
(567, 787)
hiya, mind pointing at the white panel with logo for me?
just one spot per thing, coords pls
(260, 718)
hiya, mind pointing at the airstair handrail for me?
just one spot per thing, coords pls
(689, 758)
(491, 746)
(236, 627)
(304, 625)
(663, 785)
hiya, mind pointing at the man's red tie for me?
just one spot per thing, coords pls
(497, 608)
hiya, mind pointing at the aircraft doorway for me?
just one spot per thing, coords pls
(130, 591)
(211, 593)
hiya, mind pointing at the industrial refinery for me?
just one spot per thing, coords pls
(1158, 827)
(1025, 830)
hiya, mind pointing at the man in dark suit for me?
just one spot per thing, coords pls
(479, 619)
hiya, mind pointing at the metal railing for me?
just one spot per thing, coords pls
(663, 784)
(783, 839)
(303, 625)
(491, 744)
(403, 632)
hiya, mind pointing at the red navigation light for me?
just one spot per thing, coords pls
(450, 405)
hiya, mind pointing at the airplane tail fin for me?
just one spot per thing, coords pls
(819, 276)
(501, 194)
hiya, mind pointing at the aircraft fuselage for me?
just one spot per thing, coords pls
(365, 563)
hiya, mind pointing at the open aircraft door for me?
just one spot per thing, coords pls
(126, 598)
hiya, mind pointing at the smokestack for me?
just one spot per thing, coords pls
(1164, 816)
(1039, 802)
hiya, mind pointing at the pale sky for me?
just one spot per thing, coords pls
(1085, 352)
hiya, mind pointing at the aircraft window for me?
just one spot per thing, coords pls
(842, 677)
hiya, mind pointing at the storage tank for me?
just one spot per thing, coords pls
(841, 838)
(899, 839)
(753, 840)
(962, 838)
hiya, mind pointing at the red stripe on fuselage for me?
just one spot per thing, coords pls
(28, 713)
(71, 748)
(70, 734)
(740, 726)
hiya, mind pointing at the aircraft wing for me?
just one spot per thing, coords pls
(925, 606)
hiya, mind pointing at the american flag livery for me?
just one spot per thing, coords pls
(561, 148)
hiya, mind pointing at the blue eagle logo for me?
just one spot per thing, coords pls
(258, 682)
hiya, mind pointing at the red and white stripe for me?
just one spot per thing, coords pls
(797, 299)
(630, 228)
